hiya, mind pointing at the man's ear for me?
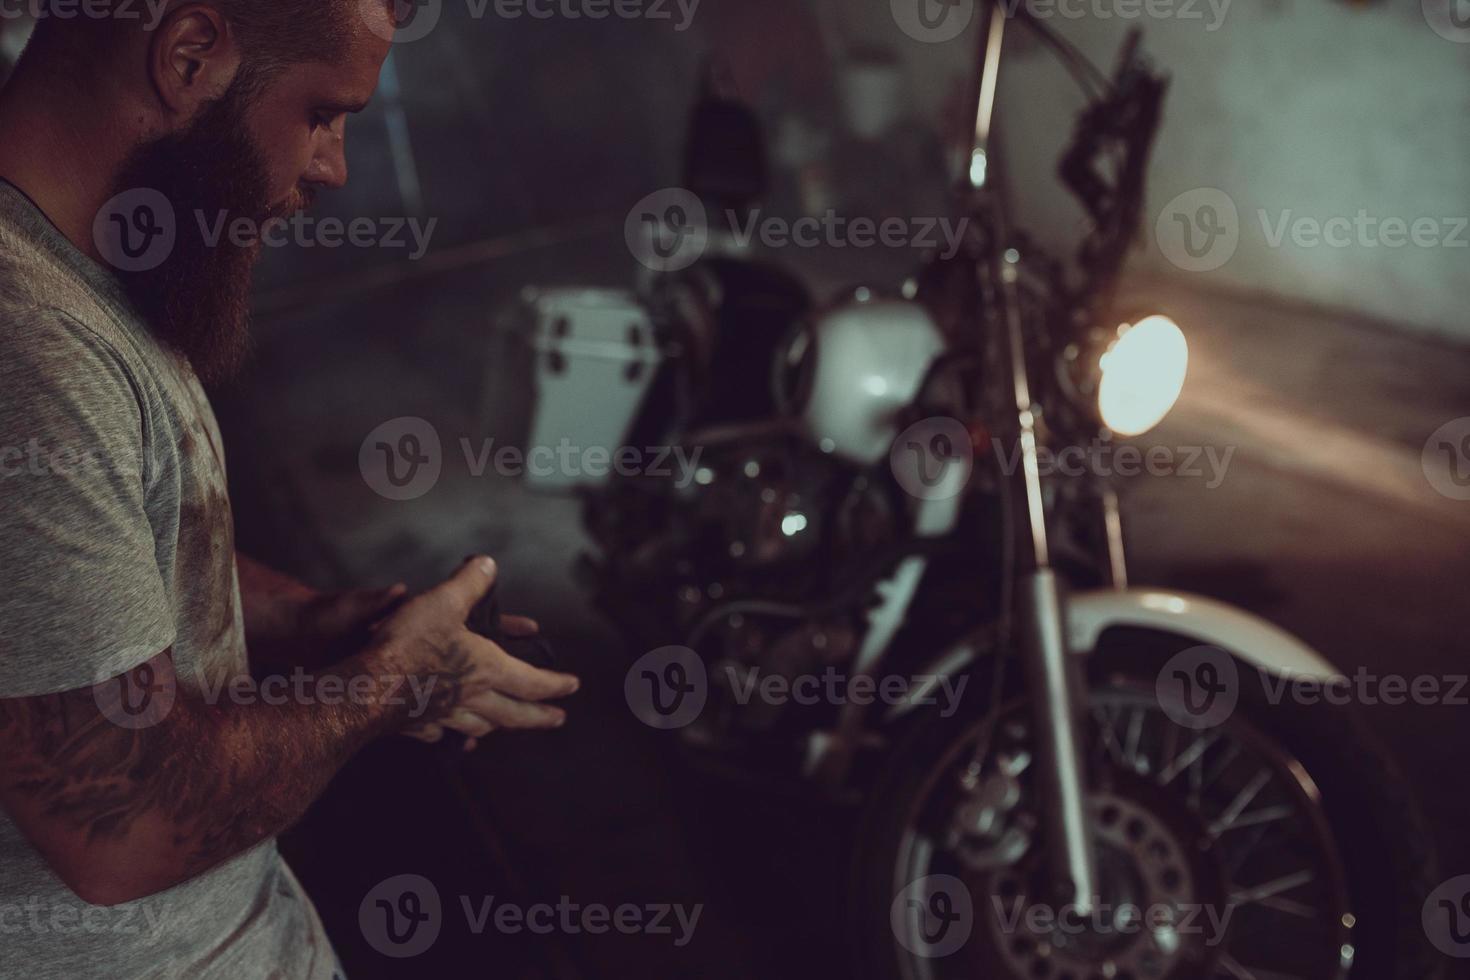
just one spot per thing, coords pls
(192, 58)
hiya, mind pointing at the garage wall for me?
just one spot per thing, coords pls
(1300, 112)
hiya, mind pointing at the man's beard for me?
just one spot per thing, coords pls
(197, 301)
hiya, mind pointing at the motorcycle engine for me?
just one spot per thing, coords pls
(752, 562)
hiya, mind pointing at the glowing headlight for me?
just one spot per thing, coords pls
(1142, 375)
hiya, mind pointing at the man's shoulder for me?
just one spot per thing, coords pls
(50, 313)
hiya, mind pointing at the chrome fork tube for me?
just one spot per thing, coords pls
(1052, 675)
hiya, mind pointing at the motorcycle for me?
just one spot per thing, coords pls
(1116, 793)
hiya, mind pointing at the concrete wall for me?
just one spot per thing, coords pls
(1306, 110)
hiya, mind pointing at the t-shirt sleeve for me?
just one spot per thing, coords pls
(81, 595)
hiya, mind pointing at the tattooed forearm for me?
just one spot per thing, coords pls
(172, 798)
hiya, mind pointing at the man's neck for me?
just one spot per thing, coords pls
(59, 152)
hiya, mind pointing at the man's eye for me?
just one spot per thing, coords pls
(320, 120)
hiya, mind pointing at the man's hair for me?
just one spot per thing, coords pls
(272, 34)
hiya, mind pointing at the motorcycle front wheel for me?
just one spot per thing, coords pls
(1276, 842)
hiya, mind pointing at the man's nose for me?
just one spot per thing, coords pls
(329, 166)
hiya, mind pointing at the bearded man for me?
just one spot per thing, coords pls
(139, 767)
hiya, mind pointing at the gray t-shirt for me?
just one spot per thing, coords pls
(116, 542)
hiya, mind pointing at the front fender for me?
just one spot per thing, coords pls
(1247, 636)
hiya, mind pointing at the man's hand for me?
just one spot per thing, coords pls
(432, 732)
(476, 686)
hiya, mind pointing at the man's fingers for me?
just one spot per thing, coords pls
(519, 626)
(468, 722)
(521, 680)
(506, 712)
(426, 733)
(469, 584)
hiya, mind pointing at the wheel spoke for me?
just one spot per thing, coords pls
(1285, 883)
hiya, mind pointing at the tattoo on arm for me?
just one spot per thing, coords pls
(202, 785)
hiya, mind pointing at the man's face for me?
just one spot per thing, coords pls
(298, 122)
(260, 152)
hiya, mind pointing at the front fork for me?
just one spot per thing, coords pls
(1058, 692)
(1053, 676)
